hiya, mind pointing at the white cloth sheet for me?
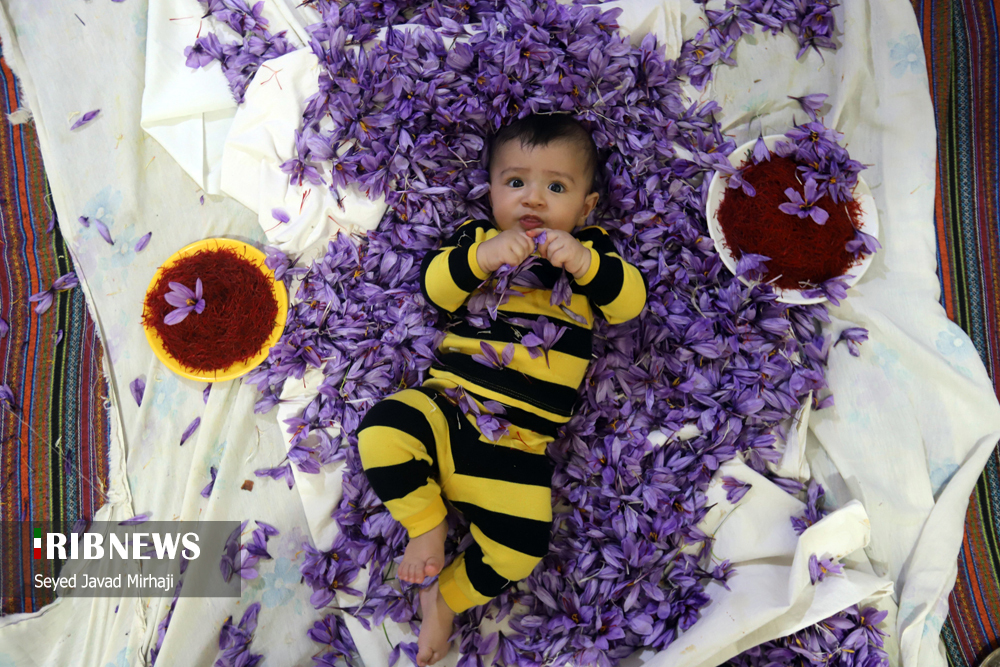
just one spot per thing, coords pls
(915, 415)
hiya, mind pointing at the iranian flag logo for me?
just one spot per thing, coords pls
(38, 543)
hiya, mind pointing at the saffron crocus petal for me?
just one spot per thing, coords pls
(269, 530)
(192, 427)
(141, 244)
(84, 220)
(508, 354)
(138, 388)
(279, 215)
(177, 315)
(207, 491)
(760, 151)
(811, 188)
(789, 208)
(137, 519)
(751, 263)
(794, 196)
(815, 575)
(205, 393)
(199, 307)
(65, 282)
(7, 396)
(42, 301)
(198, 290)
(811, 104)
(4, 328)
(103, 230)
(818, 215)
(84, 119)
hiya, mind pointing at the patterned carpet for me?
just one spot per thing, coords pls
(54, 447)
(60, 392)
(960, 40)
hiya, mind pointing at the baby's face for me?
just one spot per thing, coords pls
(544, 186)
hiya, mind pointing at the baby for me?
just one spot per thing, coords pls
(418, 448)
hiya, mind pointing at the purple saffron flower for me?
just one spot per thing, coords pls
(192, 427)
(853, 336)
(141, 244)
(490, 358)
(84, 220)
(230, 552)
(184, 301)
(819, 568)
(45, 298)
(279, 215)
(4, 328)
(544, 335)
(735, 489)
(84, 119)
(802, 207)
(863, 244)
(281, 472)
(7, 397)
(65, 282)
(811, 104)
(59, 336)
(205, 393)
(760, 151)
(207, 491)
(103, 230)
(562, 291)
(752, 266)
(138, 388)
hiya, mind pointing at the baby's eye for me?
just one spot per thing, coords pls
(515, 182)
(557, 185)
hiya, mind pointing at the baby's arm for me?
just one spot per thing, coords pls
(611, 283)
(449, 274)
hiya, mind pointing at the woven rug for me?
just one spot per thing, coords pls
(54, 448)
(960, 39)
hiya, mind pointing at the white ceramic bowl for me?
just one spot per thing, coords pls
(863, 195)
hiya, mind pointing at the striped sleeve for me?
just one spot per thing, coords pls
(613, 285)
(449, 274)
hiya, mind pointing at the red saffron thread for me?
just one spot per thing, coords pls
(801, 251)
(239, 314)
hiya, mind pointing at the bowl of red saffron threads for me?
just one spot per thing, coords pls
(226, 315)
(802, 254)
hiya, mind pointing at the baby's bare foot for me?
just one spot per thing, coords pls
(424, 555)
(435, 628)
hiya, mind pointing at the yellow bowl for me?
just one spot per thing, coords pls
(240, 367)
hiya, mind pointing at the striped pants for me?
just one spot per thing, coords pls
(418, 448)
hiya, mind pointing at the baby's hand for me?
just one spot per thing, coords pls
(510, 247)
(563, 251)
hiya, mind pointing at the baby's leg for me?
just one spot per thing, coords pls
(506, 495)
(397, 441)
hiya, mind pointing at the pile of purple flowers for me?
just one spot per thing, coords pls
(241, 59)
(708, 351)
(851, 638)
(811, 21)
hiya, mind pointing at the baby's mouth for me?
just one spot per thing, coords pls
(530, 222)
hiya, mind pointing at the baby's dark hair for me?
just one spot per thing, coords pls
(542, 130)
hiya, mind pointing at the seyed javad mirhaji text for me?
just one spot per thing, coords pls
(139, 581)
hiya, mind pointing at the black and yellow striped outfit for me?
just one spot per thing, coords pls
(417, 446)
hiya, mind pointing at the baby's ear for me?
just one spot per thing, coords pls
(588, 206)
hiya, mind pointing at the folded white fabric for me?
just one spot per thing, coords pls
(915, 416)
(189, 111)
